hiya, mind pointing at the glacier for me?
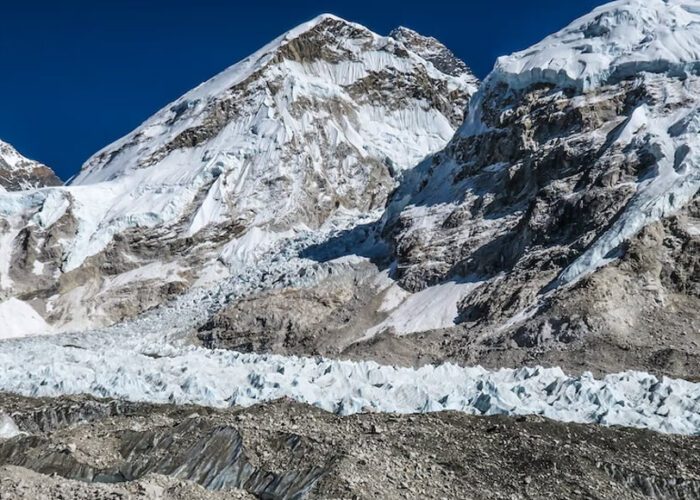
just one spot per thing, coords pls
(151, 359)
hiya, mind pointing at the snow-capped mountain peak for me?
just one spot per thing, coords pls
(326, 50)
(614, 42)
(319, 122)
(18, 172)
(320, 119)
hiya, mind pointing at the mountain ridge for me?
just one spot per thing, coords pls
(318, 124)
(18, 173)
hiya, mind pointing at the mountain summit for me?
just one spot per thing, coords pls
(18, 173)
(320, 123)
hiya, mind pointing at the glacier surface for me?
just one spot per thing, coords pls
(150, 359)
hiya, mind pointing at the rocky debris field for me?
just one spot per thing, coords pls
(113, 449)
(21, 483)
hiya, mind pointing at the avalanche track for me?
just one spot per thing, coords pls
(149, 360)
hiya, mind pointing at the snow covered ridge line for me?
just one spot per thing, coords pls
(222, 378)
(615, 41)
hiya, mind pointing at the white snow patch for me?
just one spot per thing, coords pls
(430, 309)
(19, 319)
(212, 273)
(247, 249)
(38, 268)
(153, 271)
(8, 427)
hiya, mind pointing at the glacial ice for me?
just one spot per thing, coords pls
(150, 359)
(8, 427)
(616, 41)
(184, 375)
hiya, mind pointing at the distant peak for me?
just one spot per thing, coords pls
(432, 50)
(614, 42)
(18, 172)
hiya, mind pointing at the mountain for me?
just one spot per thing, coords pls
(558, 226)
(570, 195)
(353, 288)
(18, 173)
(318, 124)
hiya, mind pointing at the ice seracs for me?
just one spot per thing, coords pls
(616, 41)
(224, 379)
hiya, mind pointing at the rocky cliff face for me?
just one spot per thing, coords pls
(542, 194)
(557, 226)
(318, 124)
(18, 173)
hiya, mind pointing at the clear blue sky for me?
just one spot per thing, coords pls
(78, 74)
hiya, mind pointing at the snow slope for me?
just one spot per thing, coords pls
(19, 319)
(150, 178)
(275, 135)
(616, 41)
(431, 309)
